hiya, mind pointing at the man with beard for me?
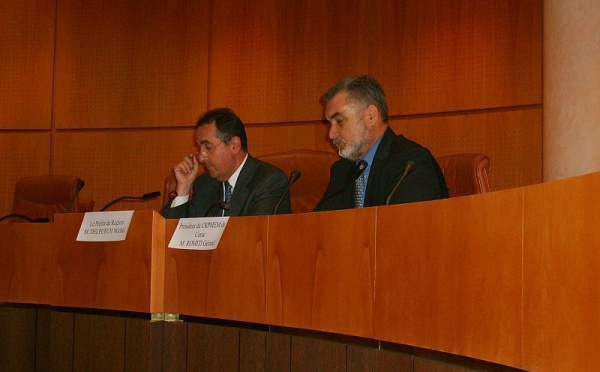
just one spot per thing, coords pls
(357, 112)
(235, 183)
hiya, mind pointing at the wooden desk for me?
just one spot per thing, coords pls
(25, 251)
(126, 275)
(508, 277)
(226, 283)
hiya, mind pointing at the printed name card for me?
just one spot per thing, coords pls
(202, 233)
(104, 226)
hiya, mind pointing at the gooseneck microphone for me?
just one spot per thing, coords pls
(23, 217)
(222, 204)
(78, 188)
(352, 176)
(294, 176)
(150, 195)
(408, 169)
(172, 195)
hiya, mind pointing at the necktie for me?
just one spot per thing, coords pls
(359, 191)
(226, 198)
(228, 192)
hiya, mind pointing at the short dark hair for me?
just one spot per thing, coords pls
(361, 89)
(228, 125)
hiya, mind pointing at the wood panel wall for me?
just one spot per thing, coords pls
(109, 91)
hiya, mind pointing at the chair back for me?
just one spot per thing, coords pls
(314, 166)
(466, 174)
(40, 197)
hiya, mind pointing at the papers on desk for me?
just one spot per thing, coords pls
(104, 226)
(202, 233)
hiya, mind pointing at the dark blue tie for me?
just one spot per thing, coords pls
(226, 198)
(227, 192)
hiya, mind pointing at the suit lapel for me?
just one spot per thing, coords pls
(383, 151)
(240, 191)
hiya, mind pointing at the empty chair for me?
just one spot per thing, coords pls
(314, 166)
(40, 197)
(466, 174)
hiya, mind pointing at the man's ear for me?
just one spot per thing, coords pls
(371, 114)
(236, 144)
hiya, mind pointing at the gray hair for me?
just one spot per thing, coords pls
(362, 89)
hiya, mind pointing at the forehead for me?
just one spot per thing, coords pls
(336, 104)
(339, 105)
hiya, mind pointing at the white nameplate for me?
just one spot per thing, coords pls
(104, 226)
(202, 233)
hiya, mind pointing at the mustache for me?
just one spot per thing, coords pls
(338, 142)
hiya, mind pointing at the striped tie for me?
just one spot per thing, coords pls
(227, 192)
(227, 198)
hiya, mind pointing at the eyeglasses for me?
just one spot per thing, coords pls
(207, 147)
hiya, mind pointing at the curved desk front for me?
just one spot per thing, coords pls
(508, 277)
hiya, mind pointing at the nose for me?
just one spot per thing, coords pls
(202, 156)
(333, 132)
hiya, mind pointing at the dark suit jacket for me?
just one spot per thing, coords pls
(426, 182)
(257, 190)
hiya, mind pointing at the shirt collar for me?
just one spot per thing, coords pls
(371, 153)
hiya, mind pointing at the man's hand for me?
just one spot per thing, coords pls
(185, 173)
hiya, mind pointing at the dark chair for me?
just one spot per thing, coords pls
(466, 174)
(38, 198)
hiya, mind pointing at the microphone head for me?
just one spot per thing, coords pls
(361, 165)
(295, 175)
(151, 195)
(409, 167)
(173, 194)
(224, 205)
(79, 186)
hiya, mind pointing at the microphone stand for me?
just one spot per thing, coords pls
(147, 196)
(352, 176)
(294, 176)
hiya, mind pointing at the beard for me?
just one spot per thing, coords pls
(356, 150)
(349, 151)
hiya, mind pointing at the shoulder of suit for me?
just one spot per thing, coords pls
(263, 167)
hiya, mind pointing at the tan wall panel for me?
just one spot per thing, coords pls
(130, 63)
(456, 269)
(271, 61)
(512, 139)
(119, 163)
(21, 155)
(435, 56)
(27, 45)
(571, 94)
(267, 139)
(561, 276)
